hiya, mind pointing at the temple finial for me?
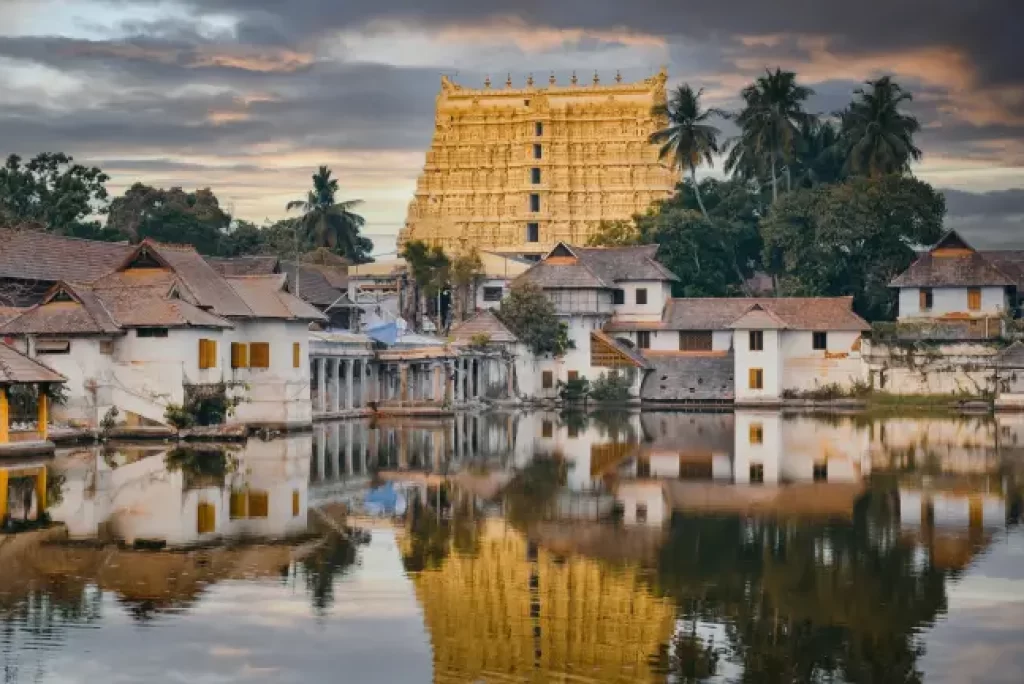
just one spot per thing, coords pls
(574, 79)
(551, 78)
(529, 80)
(618, 76)
(597, 79)
(487, 81)
(508, 81)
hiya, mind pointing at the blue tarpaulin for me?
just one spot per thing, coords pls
(385, 334)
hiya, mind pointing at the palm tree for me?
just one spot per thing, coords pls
(770, 123)
(877, 136)
(688, 140)
(820, 160)
(332, 224)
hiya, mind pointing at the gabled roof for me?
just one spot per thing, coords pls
(145, 307)
(759, 317)
(482, 323)
(244, 265)
(722, 313)
(952, 262)
(314, 287)
(18, 369)
(206, 285)
(628, 354)
(266, 297)
(567, 266)
(38, 255)
(67, 309)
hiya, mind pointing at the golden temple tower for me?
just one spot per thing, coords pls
(516, 170)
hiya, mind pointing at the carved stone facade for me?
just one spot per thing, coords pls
(516, 170)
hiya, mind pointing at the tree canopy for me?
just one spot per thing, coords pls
(530, 315)
(174, 215)
(331, 223)
(52, 191)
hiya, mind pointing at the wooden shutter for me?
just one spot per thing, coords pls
(974, 299)
(573, 375)
(295, 503)
(259, 504)
(239, 355)
(296, 355)
(695, 340)
(756, 434)
(756, 378)
(547, 380)
(259, 355)
(239, 506)
(206, 518)
(207, 354)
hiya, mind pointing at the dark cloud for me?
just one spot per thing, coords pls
(999, 203)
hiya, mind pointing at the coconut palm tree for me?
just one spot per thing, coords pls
(331, 224)
(688, 140)
(820, 159)
(770, 122)
(877, 136)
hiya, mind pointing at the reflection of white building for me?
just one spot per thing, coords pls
(140, 495)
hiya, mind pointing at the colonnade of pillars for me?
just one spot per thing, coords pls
(346, 449)
(343, 384)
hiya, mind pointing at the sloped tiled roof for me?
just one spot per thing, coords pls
(209, 288)
(81, 312)
(38, 255)
(596, 267)
(968, 270)
(638, 359)
(244, 265)
(16, 368)
(313, 285)
(134, 307)
(482, 323)
(266, 297)
(8, 313)
(795, 313)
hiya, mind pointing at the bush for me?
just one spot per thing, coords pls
(178, 416)
(574, 391)
(204, 405)
(612, 386)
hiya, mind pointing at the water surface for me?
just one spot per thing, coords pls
(727, 547)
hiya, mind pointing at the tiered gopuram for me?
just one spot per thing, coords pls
(516, 170)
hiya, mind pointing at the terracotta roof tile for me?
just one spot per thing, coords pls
(244, 265)
(266, 297)
(313, 285)
(968, 270)
(38, 255)
(16, 368)
(208, 287)
(596, 267)
(139, 307)
(67, 309)
(719, 313)
(484, 322)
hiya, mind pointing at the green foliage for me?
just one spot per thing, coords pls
(851, 238)
(689, 140)
(615, 234)
(24, 399)
(109, 421)
(877, 138)
(770, 124)
(204, 405)
(611, 386)
(177, 216)
(330, 223)
(53, 192)
(574, 391)
(480, 340)
(428, 265)
(530, 315)
(463, 272)
(531, 494)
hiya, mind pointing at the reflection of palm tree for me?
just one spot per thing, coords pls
(332, 558)
(692, 660)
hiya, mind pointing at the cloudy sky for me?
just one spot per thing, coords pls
(249, 96)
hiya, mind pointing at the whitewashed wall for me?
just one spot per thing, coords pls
(805, 368)
(769, 360)
(768, 453)
(961, 368)
(947, 300)
(658, 294)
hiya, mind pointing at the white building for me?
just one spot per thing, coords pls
(163, 324)
(591, 287)
(953, 282)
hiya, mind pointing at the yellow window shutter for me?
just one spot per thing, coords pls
(238, 505)
(202, 354)
(296, 355)
(259, 355)
(211, 353)
(295, 503)
(206, 518)
(259, 504)
(974, 299)
(239, 355)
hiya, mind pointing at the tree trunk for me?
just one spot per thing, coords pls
(696, 191)
(775, 181)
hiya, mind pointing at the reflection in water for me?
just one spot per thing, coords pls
(750, 546)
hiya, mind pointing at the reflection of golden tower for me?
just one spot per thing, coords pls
(513, 613)
(516, 170)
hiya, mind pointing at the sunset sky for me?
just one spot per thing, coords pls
(249, 96)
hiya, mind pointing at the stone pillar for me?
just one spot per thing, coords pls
(474, 377)
(335, 393)
(437, 389)
(449, 385)
(403, 382)
(350, 378)
(459, 384)
(321, 456)
(348, 448)
(371, 447)
(321, 384)
(510, 390)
